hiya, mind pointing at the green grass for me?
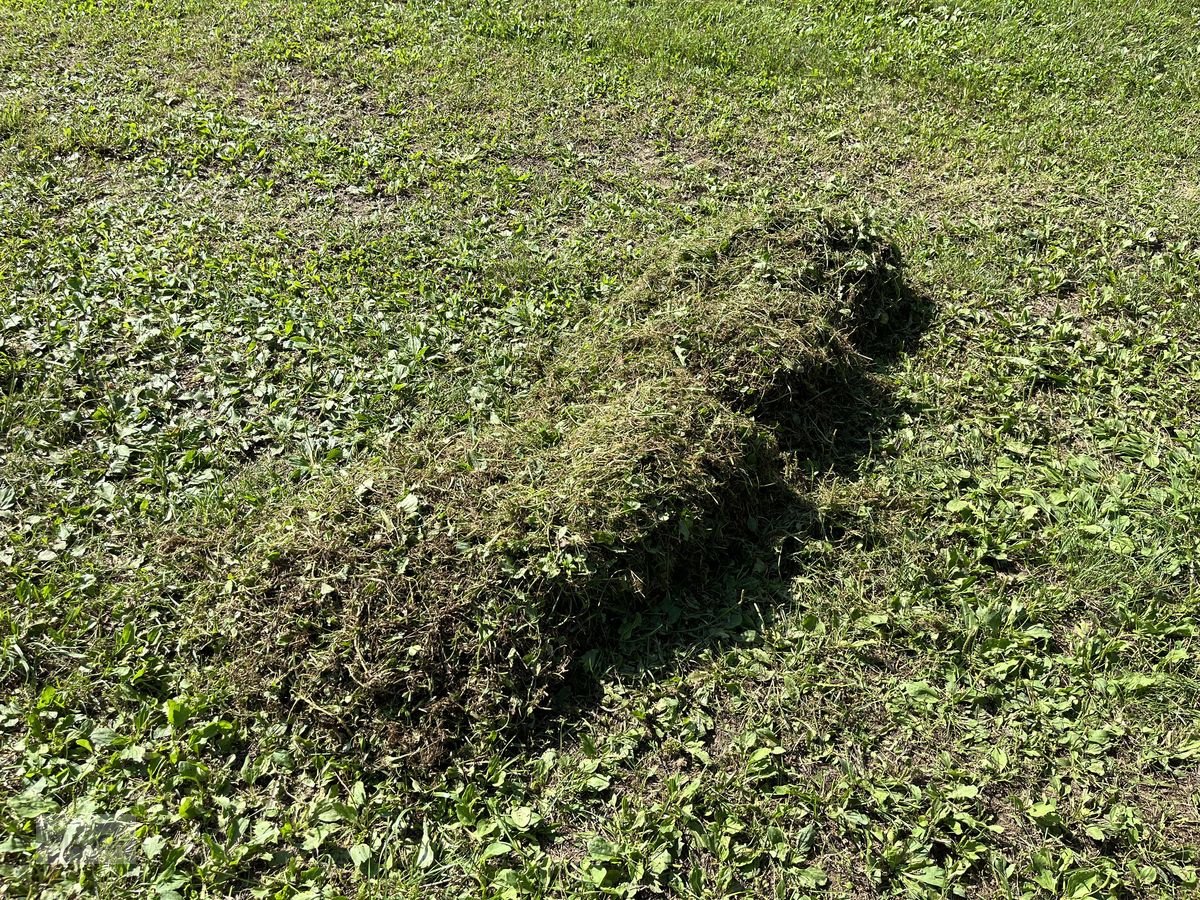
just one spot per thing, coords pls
(303, 304)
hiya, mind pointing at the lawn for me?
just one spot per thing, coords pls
(608, 448)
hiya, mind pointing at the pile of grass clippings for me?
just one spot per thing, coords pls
(449, 597)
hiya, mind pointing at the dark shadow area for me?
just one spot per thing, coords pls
(835, 416)
(827, 422)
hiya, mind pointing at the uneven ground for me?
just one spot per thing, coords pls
(255, 258)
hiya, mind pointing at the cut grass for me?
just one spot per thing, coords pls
(294, 296)
(424, 596)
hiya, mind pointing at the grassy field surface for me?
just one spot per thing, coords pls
(535, 449)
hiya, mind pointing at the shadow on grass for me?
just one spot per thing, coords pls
(828, 422)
